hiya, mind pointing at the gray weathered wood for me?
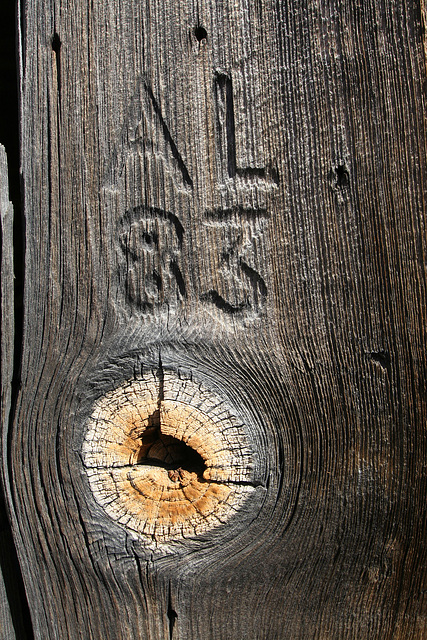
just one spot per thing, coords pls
(7, 334)
(11, 613)
(229, 194)
(7, 320)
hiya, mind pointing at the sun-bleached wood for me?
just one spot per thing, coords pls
(138, 456)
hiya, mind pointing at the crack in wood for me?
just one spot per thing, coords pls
(172, 614)
(56, 48)
(14, 611)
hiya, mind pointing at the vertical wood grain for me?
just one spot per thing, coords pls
(13, 624)
(234, 190)
(7, 334)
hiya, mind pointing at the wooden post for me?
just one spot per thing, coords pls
(12, 602)
(220, 430)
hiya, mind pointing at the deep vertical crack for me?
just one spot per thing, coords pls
(172, 614)
(161, 377)
(9, 137)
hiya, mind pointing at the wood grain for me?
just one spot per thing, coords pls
(238, 190)
(167, 459)
(7, 335)
(12, 601)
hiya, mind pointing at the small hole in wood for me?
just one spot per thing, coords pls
(170, 453)
(56, 43)
(342, 175)
(200, 33)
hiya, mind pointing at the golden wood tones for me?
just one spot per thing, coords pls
(166, 458)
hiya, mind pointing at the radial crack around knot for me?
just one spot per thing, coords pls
(167, 468)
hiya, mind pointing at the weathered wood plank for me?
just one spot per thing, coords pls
(12, 623)
(7, 297)
(225, 222)
(7, 336)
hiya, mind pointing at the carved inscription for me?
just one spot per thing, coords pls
(146, 135)
(152, 265)
(156, 246)
(238, 285)
(150, 243)
(229, 166)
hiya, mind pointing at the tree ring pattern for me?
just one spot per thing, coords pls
(167, 458)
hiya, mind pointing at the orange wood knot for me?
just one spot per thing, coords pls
(167, 458)
(177, 475)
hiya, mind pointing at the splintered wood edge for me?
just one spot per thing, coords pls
(150, 499)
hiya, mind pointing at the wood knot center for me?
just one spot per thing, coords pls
(178, 475)
(168, 451)
(167, 458)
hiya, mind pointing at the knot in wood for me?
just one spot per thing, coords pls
(167, 458)
(178, 475)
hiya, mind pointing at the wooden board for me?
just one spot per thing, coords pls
(13, 612)
(7, 336)
(226, 252)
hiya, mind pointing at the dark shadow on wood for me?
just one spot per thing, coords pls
(9, 137)
(12, 580)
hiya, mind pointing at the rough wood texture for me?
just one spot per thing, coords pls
(7, 312)
(11, 614)
(235, 189)
(166, 459)
(7, 334)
